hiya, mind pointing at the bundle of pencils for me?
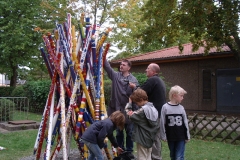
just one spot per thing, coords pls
(74, 60)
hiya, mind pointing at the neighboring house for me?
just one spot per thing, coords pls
(19, 82)
(5, 82)
(212, 82)
(2, 79)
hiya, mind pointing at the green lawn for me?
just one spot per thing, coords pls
(20, 144)
(22, 115)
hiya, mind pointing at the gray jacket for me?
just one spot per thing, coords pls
(146, 124)
(120, 90)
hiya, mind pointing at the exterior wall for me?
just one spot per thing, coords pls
(2, 79)
(188, 75)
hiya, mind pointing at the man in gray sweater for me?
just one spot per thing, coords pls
(120, 93)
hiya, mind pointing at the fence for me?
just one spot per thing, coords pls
(13, 108)
(218, 128)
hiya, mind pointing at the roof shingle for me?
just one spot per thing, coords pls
(174, 53)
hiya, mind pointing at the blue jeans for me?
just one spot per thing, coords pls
(177, 149)
(120, 137)
(94, 151)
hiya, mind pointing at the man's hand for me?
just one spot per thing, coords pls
(119, 150)
(132, 85)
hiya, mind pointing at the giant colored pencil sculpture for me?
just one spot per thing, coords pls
(74, 59)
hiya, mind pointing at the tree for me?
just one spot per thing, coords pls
(207, 23)
(22, 25)
(122, 16)
(127, 25)
(18, 40)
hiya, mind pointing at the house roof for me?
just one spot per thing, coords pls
(173, 54)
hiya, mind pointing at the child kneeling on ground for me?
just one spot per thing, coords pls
(94, 135)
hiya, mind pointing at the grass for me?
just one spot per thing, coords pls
(22, 115)
(207, 150)
(20, 144)
(17, 144)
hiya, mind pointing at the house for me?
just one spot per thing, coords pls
(212, 81)
(5, 82)
(2, 79)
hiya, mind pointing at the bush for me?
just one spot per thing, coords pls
(19, 103)
(37, 92)
(7, 108)
(6, 91)
(18, 92)
(107, 90)
(141, 77)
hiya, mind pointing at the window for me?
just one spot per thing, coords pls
(207, 84)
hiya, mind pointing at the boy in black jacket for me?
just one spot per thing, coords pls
(94, 136)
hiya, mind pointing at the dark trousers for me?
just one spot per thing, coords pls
(120, 137)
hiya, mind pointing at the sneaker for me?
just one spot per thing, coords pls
(125, 156)
(130, 155)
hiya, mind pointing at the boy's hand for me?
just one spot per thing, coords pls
(130, 113)
(187, 140)
(119, 150)
(129, 100)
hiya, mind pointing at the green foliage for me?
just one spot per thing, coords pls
(55, 11)
(141, 77)
(122, 16)
(6, 91)
(126, 20)
(21, 27)
(6, 109)
(205, 23)
(18, 40)
(107, 90)
(18, 92)
(37, 92)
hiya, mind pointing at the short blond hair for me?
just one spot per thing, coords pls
(176, 90)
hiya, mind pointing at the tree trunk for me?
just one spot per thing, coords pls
(13, 80)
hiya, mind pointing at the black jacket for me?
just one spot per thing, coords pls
(156, 92)
(98, 131)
